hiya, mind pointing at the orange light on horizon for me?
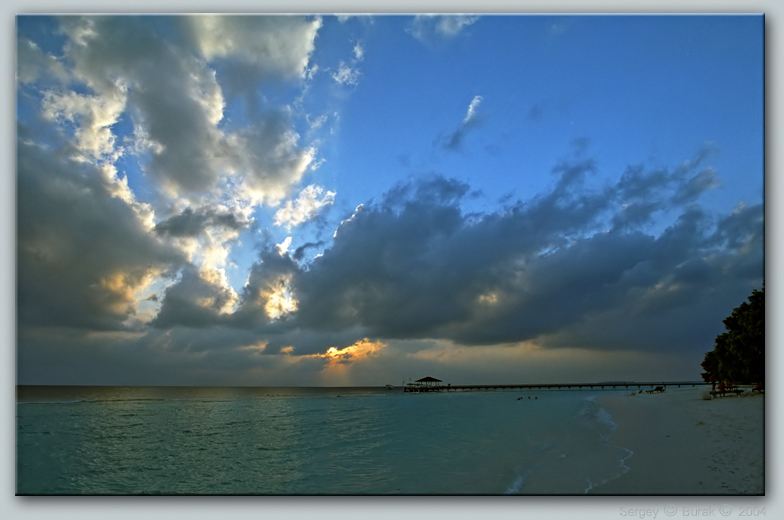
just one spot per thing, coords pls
(362, 349)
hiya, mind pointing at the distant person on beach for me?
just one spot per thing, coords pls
(713, 382)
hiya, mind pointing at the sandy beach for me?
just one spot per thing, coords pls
(685, 445)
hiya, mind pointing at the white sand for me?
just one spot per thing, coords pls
(684, 445)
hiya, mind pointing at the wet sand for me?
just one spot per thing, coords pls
(684, 445)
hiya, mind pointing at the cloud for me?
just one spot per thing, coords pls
(268, 159)
(307, 205)
(452, 25)
(208, 175)
(431, 29)
(454, 141)
(358, 351)
(176, 101)
(255, 49)
(644, 192)
(267, 297)
(558, 28)
(636, 263)
(346, 75)
(299, 253)
(550, 272)
(33, 65)
(84, 254)
(204, 175)
(471, 112)
(695, 186)
(192, 223)
(92, 115)
(199, 299)
(414, 266)
(359, 52)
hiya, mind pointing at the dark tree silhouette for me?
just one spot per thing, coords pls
(739, 354)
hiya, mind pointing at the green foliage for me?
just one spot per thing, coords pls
(739, 354)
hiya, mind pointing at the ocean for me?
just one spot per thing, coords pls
(312, 441)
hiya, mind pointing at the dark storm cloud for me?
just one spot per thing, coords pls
(191, 223)
(176, 356)
(571, 267)
(744, 225)
(81, 251)
(299, 253)
(642, 192)
(192, 302)
(414, 265)
(417, 267)
(697, 272)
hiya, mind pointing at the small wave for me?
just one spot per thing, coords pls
(603, 417)
(624, 469)
(129, 400)
(89, 401)
(624, 466)
(601, 422)
(78, 401)
(517, 485)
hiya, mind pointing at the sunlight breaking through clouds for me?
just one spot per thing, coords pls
(361, 350)
(287, 193)
(280, 301)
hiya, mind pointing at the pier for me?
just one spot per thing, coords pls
(438, 387)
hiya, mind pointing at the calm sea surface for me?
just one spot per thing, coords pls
(286, 441)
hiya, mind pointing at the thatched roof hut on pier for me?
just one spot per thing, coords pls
(426, 384)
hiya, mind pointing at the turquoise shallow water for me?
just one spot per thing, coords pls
(322, 441)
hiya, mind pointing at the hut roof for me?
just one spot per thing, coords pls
(429, 379)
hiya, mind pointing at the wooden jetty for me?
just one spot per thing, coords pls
(431, 384)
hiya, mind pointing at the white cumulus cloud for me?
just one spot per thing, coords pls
(305, 207)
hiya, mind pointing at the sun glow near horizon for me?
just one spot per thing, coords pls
(320, 194)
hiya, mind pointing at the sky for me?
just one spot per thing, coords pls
(364, 200)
